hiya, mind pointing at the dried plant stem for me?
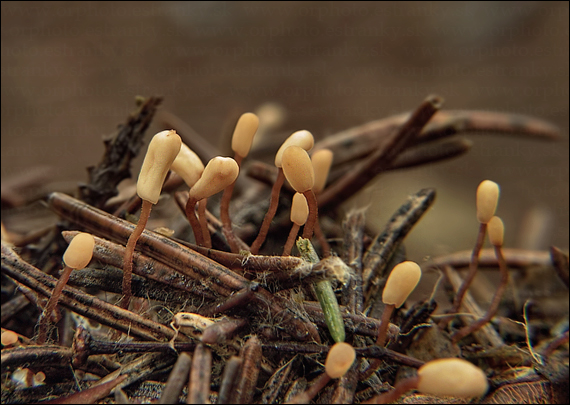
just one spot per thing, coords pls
(494, 307)
(251, 355)
(273, 203)
(204, 223)
(291, 239)
(184, 260)
(52, 304)
(80, 302)
(130, 250)
(199, 384)
(176, 380)
(193, 219)
(225, 212)
(381, 159)
(308, 395)
(229, 379)
(469, 277)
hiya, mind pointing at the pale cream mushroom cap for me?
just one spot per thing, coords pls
(487, 199)
(299, 209)
(298, 169)
(162, 150)
(80, 251)
(452, 377)
(244, 132)
(188, 165)
(401, 282)
(340, 358)
(496, 230)
(303, 139)
(219, 173)
(322, 161)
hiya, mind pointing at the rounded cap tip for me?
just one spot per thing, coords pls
(339, 360)
(452, 377)
(244, 132)
(401, 282)
(304, 139)
(298, 169)
(80, 251)
(322, 161)
(496, 230)
(162, 150)
(299, 209)
(219, 173)
(487, 199)
(188, 165)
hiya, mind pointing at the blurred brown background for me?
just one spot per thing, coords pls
(71, 70)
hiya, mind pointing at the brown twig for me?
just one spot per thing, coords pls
(186, 261)
(382, 157)
(120, 150)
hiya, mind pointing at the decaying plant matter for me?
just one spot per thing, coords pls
(227, 322)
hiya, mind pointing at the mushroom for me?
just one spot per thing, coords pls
(299, 172)
(161, 153)
(340, 358)
(77, 255)
(299, 214)
(242, 139)
(217, 175)
(487, 198)
(442, 377)
(303, 139)
(496, 231)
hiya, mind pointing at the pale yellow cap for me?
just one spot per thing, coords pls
(452, 377)
(340, 358)
(487, 199)
(299, 209)
(246, 128)
(188, 165)
(80, 251)
(496, 230)
(401, 282)
(162, 150)
(219, 173)
(322, 161)
(298, 169)
(303, 139)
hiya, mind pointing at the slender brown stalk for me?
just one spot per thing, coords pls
(313, 214)
(308, 395)
(225, 212)
(193, 219)
(273, 203)
(473, 265)
(130, 250)
(52, 304)
(380, 341)
(291, 240)
(325, 247)
(400, 389)
(494, 307)
(204, 223)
